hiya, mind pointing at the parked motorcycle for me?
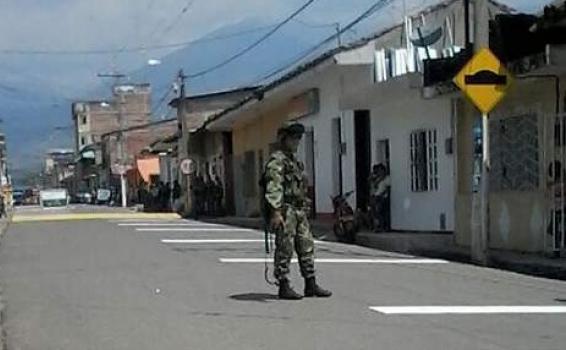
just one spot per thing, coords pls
(345, 225)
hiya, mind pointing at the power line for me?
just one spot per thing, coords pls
(162, 100)
(366, 14)
(253, 45)
(134, 49)
(315, 26)
(173, 23)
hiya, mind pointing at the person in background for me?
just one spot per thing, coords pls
(2, 206)
(167, 193)
(380, 186)
(199, 191)
(218, 196)
(208, 189)
(154, 196)
(176, 190)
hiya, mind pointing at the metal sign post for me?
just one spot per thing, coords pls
(188, 168)
(485, 81)
(480, 253)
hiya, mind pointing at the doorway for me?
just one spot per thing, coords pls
(362, 134)
(228, 157)
(336, 156)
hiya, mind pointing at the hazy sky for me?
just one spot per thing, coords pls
(113, 24)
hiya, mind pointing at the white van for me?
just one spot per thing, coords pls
(55, 197)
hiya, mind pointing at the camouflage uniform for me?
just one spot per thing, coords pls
(285, 191)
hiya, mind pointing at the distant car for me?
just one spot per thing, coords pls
(103, 196)
(18, 197)
(55, 197)
(83, 197)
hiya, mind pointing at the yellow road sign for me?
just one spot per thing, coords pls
(484, 80)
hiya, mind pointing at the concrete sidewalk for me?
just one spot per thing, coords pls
(433, 245)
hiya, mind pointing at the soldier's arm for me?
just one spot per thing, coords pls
(274, 184)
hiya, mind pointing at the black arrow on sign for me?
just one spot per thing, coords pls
(485, 77)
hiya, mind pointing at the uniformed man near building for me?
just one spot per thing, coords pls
(286, 208)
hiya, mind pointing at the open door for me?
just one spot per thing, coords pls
(362, 135)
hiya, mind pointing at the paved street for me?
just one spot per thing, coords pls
(176, 284)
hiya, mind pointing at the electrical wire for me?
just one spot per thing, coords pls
(162, 100)
(253, 45)
(173, 23)
(366, 14)
(316, 26)
(134, 49)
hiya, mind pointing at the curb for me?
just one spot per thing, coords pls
(92, 216)
(3, 335)
(443, 251)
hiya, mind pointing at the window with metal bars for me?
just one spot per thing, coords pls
(424, 160)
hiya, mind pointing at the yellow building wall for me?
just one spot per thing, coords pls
(255, 136)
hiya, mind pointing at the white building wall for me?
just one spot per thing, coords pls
(321, 123)
(395, 119)
(332, 85)
(349, 157)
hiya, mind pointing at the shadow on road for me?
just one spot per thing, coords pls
(560, 300)
(259, 297)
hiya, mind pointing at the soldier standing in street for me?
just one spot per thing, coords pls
(286, 207)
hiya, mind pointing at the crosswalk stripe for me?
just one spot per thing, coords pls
(192, 229)
(149, 224)
(206, 241)
(469, 310)
(343, 261)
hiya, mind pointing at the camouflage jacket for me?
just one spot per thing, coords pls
(284, 182)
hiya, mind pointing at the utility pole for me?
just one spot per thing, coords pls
(338, 33)
(480, 233)
(181, 78)
(120, 142)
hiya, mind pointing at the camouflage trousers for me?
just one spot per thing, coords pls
(296, 235)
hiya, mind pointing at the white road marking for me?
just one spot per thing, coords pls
(467, 310)
(192, 229)
(143, 220)
(167, 224)
(343, 261)
(206, 241)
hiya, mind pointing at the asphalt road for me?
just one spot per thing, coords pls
(115, 285)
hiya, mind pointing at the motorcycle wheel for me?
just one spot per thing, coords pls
(339, 232)
(350, 232)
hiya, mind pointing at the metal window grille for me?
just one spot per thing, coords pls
(555, 174)
(424, 160)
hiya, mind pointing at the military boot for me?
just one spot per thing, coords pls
(286, 292)
(314, 290)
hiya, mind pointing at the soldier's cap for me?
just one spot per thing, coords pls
(292, 129)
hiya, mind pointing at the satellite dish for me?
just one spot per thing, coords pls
(423, 37)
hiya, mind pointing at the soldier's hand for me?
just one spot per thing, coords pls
(277, 222)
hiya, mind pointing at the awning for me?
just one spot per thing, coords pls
(148, 167)
(164, 144)
(88, 155)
